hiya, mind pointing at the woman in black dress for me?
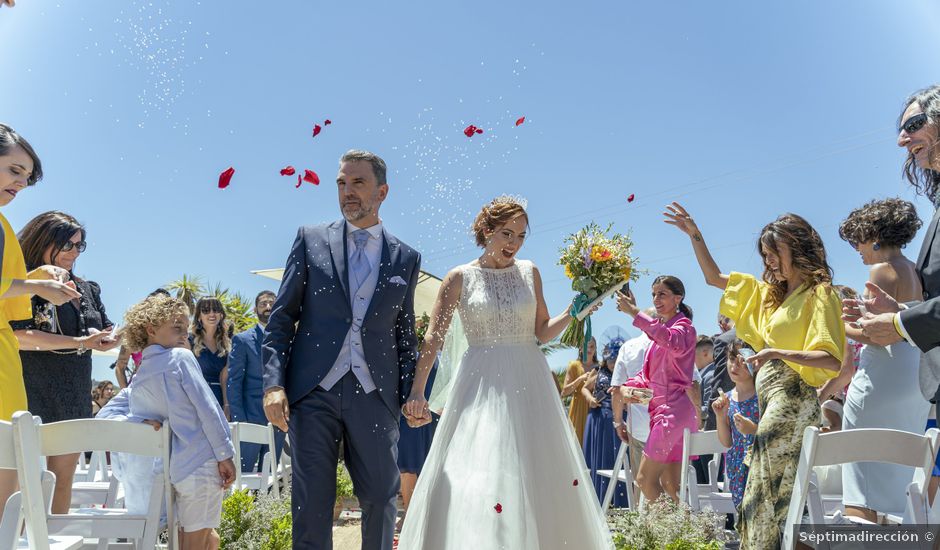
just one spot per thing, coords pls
(56, 344)
(211, 340)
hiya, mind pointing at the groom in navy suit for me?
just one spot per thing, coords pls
(245, 388)
(339, 357)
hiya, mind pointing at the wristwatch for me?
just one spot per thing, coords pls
(81, 348)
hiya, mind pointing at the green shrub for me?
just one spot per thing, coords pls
(235, 517)
(665, 524)
(262, 524)
(344, 484)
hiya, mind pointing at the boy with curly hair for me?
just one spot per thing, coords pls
(169, 386)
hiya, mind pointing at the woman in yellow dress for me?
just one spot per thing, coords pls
(792, 318)
(19, 168)
(575, 379)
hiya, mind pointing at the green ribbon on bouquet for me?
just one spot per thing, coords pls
(581, 301)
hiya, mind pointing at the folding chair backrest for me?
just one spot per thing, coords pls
(76, 436)
(693, 444)
(246, 432)
(859, 445)
(29, 473)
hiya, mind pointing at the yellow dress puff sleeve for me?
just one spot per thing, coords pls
(12, 390)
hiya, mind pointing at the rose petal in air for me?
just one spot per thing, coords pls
(300, 180)
(225, 177)
(520, 120)
(479, 130)
(312, 177)
(498, 508)
(631, 197)
(575, 483)
(288, 171)
(316, 129)
(327, 122)
(469, 130)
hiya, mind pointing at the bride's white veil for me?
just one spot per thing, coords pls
(455, 345)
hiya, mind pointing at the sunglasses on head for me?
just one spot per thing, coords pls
(914, 123)
(69, 245)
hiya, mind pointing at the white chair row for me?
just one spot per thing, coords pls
(33, 441)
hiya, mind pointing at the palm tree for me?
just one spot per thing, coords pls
(188, 289)
(240, 311)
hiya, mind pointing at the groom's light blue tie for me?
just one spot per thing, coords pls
(359, 264)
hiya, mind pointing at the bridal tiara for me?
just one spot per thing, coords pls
(512, 199)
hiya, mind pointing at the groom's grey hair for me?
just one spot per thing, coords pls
(378, 165)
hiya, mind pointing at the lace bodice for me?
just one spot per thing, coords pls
(497, 306)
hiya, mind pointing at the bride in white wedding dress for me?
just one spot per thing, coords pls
(505, 470)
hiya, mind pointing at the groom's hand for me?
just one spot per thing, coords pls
(276, 408)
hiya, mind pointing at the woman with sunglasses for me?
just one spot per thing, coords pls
(56, 341)
(211, 343)
(19, 168)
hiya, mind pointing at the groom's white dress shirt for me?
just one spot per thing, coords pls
(351, 355)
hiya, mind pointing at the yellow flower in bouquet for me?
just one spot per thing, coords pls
(597, 263)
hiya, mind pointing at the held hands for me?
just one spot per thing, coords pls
(276, 408)
(417, 411)
(227, 472)
(744, 424)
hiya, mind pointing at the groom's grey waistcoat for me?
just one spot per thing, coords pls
(313, 315)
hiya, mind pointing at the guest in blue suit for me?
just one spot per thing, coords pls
(339, 357)
(245, 387)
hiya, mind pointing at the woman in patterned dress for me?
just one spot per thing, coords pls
(792, 318)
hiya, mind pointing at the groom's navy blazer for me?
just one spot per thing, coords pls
(313, 314)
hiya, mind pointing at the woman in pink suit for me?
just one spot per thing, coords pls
(667, 372)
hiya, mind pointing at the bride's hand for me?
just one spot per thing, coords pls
(678, 216)
(416, 411)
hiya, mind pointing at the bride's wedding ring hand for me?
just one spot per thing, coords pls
(417, 411)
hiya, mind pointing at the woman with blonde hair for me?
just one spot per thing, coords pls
(211, 343)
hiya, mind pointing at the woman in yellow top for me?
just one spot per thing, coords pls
(19, 168)
(792, 318)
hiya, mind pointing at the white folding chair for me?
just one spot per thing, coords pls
(74, 436)
(39, 487)
(624, 473)
(700, 496)
(93, 484)
(861, 445)
(266, 479)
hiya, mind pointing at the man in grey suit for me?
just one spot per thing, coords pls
(245, 387)
(339, 357)
(886, 321)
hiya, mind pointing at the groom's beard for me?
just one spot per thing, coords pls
(356, 213)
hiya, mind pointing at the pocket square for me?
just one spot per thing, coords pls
(396, 280)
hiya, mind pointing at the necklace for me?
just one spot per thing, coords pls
(49, 314)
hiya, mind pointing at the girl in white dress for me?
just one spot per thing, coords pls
(505, 470)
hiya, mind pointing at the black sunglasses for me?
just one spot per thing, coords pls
(69, 245)
(914, 123)
(209, 308)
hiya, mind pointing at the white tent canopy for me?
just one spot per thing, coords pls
(425, 293)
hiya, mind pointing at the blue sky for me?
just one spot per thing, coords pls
(741, 111)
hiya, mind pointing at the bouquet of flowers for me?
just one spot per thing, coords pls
(598, 265)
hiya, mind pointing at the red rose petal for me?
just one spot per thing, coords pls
(316, 129)
(288, 171)
(469, 130)
(479, 131)
(327, 122)
(312, 177)
(631, 197)
(225, 177)
(498, 508)
(300, 180)
(575, 483)
(520, 120)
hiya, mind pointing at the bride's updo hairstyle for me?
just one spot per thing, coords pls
(496, 214)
